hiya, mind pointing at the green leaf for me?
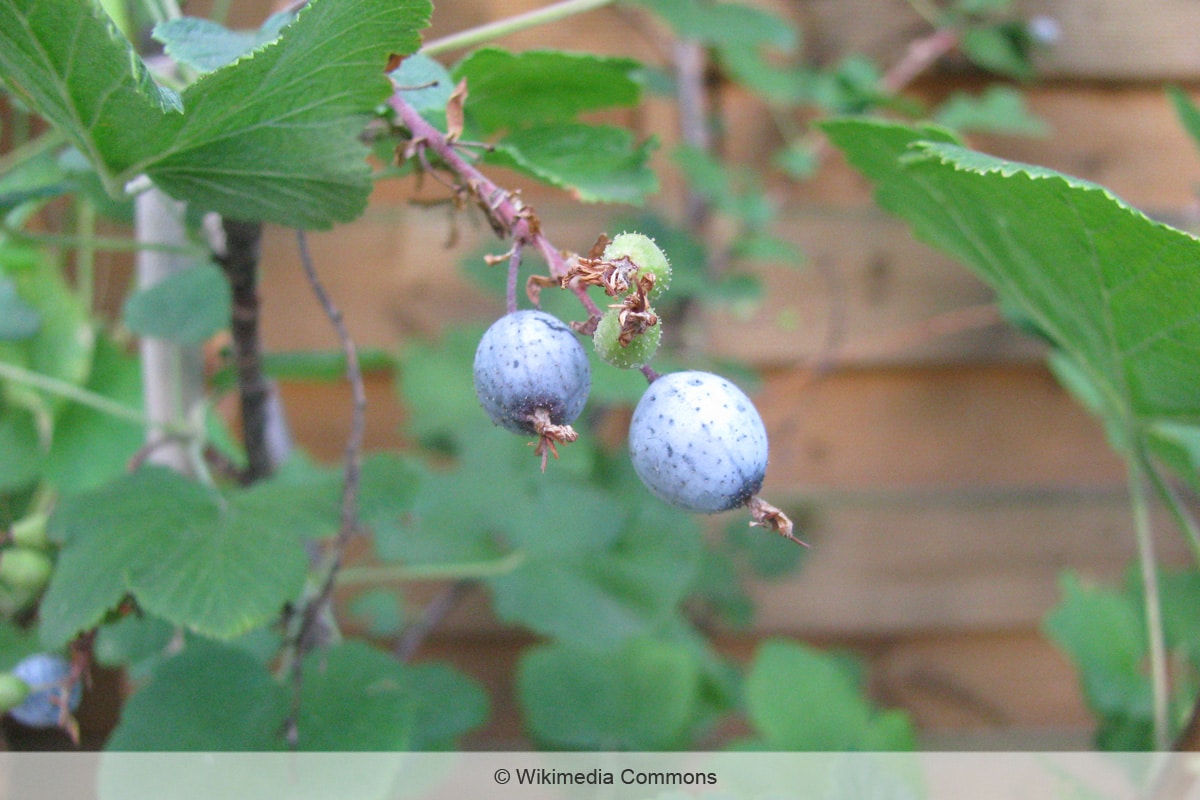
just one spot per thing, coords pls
(603, 594)
(209, 698)
(1004, 48)
(186, 308)
(426, 86)
(1186, 110)
(726, 24)
(17, 319)
(596, 163)
(1116, 291)
(272, 136)
(801, 699)
(359, 698)
(1000, 109)
(640, 696)
(1103, 634)
(514, 90)
(380, 611)
(216, 564)
(67, 61)
(91, 448)
(205, 46)
(19, 441)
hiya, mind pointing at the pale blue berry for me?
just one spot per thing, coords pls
(46, 675)
(698, 443)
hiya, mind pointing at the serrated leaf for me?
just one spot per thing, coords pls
(1004, 48)
(272, 136)
(216, 564)
(205, 45)
(640, 696)
(186, 308)
(1116, 291)
(514, 90)
(596, 163)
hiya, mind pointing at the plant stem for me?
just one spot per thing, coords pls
(1153, 604)
(85, 397)
(311, 626)
(239, 261)
(120, 244)
(514, 24)
(31, 149)
(400, 573)
(85, 256)
(1186, 522)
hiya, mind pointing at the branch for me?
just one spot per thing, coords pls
(239, 259)
(311, 631)
(509, 218)
(514, 24)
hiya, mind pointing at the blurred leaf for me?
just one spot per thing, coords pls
(186, 308)
(1000, 109)
(206, 46)
(804, 700)
(515, 90)
(1186, 110)
(640, 696)
(90, 447)
(16, 644)
(380, 611)
(596, 163)
(798, 161)
(726, 24)
(216, 564)
(18, 320)
(132, 639)
(426, 85)
(231, 704)
(1004, 48)
(358, 698)
(22, 448)
(62, 346)
(1103, 634)
(435, 382)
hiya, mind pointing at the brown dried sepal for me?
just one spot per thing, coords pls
(615, 277)
(765, 515)
(549, 435)
(636, 316)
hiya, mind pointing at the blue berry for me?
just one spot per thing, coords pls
(46, 675)
(697, 442)
(532, 376)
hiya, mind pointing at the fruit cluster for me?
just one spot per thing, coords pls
(41, 691)
(696, 440)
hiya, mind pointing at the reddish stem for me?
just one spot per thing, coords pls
(507, 216)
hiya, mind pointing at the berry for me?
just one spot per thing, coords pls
(645, 254)
(13, 691)
(24, 568)
(532, 376)
(47, 676)
(698, 443)
(639, 349)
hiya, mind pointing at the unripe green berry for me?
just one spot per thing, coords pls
(13, 691)
(31, 531)
(640, 349)
(25, 569)
(643, 252)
